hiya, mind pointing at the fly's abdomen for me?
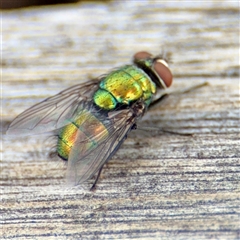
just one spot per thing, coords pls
(124, 86)
(86, 128)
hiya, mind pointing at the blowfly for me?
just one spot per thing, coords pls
(93, 119)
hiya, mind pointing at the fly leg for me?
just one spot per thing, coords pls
(155, 102)
(161, 130)
(165, 95)
(134, 126)
(95, 182)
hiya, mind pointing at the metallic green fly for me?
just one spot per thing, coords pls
(93, 119)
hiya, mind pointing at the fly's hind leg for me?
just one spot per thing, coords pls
(96, 180)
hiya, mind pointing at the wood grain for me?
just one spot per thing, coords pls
(158, 185)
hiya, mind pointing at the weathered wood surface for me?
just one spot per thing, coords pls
(158, 186)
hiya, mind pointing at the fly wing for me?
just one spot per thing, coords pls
(82, 163)
(54, 112)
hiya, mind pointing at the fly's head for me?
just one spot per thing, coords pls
(156, 67)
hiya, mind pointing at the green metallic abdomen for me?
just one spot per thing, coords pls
(124, 86)
(86, 128)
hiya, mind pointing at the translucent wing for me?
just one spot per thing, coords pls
(54, 112)
(85, 161)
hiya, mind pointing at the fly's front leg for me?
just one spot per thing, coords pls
(190, 89)
(158, 100)
(187, 90)
(164, 96)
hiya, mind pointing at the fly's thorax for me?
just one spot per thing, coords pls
(87, 129)
(124, 86)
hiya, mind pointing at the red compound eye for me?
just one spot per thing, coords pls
(161, 68)
(142, 55)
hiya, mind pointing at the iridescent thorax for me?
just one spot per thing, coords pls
(123, 86)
